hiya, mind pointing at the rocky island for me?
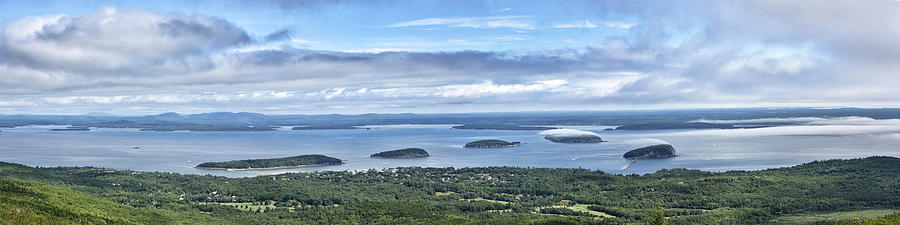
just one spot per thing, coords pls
(402, 153)
(275, 163)
(491, 144)
(660, 151)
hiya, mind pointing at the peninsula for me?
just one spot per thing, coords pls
(491, 144)
(674, 126)
(330, 128)
(499, 126)
(274, 163)
(402, 153)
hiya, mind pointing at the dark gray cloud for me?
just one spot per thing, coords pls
(279, 35)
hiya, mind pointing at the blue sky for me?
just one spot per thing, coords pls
(316, 56)
(379, 26)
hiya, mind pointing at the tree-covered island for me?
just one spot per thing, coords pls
(660, 151)
(402, 153)
(275, 163)
(491, 144)
(574, 138)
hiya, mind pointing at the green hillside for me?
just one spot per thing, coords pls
(812, 193)
(24, 202)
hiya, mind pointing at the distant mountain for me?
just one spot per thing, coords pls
(627, 120)
(99, 114)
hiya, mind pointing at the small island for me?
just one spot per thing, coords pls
(329, 128)
(169, 128)
(574, 138)
(275, 163)
(491, 144)
(660, 151)
(402, 154)
(499, 126)
(72, 128)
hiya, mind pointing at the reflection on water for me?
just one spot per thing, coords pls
(714, 150)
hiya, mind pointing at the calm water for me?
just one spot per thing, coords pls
(713, 150)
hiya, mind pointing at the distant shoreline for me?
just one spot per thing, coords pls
(267, 168)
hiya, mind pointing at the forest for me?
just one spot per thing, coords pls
(491, 195)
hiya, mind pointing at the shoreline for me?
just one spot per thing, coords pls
(267, 168)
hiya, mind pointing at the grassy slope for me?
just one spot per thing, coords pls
(23, 202)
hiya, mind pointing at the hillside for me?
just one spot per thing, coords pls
(497, 195)
(25, 202)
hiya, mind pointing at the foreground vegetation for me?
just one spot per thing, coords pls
(493, 195)
(293, 161)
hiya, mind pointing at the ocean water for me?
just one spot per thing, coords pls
(711, 150)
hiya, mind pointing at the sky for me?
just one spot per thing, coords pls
(430, 56)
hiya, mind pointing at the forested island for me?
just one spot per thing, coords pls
(72, 128)
(499, 126)
(274, 163)
(204, 128)
(673, 126)
(491, 144)
(574, 138)
(660, 151)
(821, 192)
(402, 153)
(322, 127)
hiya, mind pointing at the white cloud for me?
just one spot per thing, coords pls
(513, 22)
(489, 88)
(122, 42)
(580, 24)
(619, 25)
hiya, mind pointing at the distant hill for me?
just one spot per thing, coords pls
(626, 119)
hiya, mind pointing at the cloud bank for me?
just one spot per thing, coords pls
(731, 53)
